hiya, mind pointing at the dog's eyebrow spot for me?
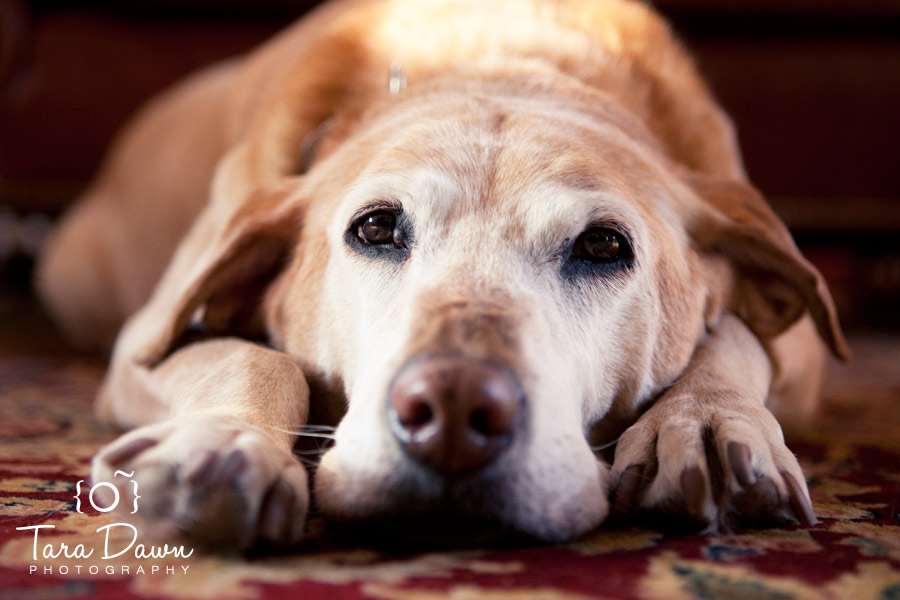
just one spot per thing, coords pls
(577, 175)
(580, 180)
(499, 120)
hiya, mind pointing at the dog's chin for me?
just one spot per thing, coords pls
(429, 511)
(450, 514)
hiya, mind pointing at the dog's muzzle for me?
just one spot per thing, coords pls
(452, 413)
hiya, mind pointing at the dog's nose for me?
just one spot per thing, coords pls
(452, 413)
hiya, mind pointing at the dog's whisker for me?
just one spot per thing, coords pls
(308, 462)
(300, 433)
(316, 428)
(324, 436)
(604, 446)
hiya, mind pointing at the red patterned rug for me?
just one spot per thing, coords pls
(851, 456)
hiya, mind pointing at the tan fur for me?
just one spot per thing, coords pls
(522, 123)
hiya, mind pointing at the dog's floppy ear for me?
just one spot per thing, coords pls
(774, 284)
(222, 286)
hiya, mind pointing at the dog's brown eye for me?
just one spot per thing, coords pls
(377, 228)
(601, 245)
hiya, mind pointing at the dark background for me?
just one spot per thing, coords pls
(813, 85)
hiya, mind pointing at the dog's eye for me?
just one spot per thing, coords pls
(381, 232)
(377, 228)
(601, 245)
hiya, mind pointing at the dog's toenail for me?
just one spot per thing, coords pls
(129, 450)
(741, 464)
(233, 465)
(798, 501)
(629, 484)
(693, 485)
(274, 516)
(199, 468)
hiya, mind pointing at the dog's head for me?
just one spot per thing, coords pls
(485, 276)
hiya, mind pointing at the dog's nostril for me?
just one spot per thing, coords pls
(419, 414)
(480, 422)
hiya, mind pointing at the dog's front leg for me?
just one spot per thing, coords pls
(709, 449)
(213, 458)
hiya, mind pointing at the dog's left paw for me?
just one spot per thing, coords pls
(717, 468)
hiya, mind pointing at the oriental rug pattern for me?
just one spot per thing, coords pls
(851, 457)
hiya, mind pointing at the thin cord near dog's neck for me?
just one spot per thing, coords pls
(396, 80)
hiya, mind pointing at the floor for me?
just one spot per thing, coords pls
(47, 436)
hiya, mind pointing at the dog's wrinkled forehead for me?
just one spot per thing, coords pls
(525, 174)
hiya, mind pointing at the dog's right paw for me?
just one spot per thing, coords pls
(213, 481)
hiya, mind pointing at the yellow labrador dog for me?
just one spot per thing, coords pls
(488, 236)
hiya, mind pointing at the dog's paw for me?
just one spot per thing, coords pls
(711, 471)
(212, 481)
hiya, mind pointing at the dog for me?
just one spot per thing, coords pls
(483, 240)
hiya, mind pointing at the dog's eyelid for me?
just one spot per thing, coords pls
(376, 205)
(618, 228)
(614, 226)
